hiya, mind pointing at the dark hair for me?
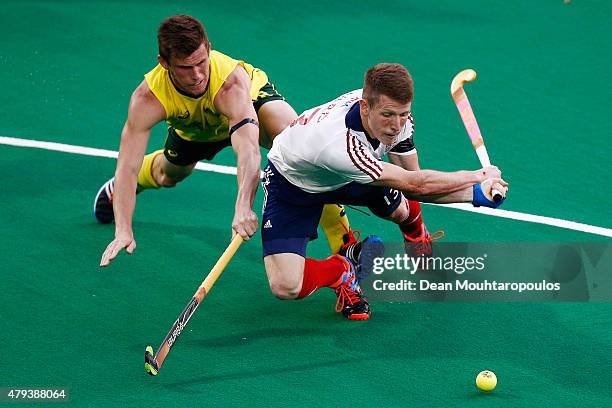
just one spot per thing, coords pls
(392, 80)
(179, 36)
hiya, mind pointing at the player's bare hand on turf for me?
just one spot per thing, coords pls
(120, 242)
(245, 223)
(489, 172)
(494, 183)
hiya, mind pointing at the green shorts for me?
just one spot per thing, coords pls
(267, 93)
(183, 152)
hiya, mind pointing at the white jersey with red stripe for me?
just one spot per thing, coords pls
(327, 147)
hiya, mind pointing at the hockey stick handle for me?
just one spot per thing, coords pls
(483, 157)
(469, 120)
(179, 324)
(215, 272)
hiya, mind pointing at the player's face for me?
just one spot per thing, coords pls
(386, 118)
(190, 74)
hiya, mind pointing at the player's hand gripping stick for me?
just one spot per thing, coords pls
(469, 120)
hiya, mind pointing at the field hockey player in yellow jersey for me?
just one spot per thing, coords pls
(209, 101)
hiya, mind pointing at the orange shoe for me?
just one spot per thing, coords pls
(421, 245)
(351, 302)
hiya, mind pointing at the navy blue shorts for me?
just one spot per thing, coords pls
(291, 215)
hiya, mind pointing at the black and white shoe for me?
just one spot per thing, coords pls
(362, 253)
(103, 204)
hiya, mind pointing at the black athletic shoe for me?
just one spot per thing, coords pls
(103, 204)
(351, 301)
(362, 253)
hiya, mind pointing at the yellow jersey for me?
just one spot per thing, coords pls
(197, 119)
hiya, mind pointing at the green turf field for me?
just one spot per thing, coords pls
(67, 69)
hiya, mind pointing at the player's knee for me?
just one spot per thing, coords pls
(274, 117)
(168, 181)
(169, 175)
(285, 289)
(400, 213)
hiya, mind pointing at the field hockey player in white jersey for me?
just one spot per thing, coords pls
(333, 154)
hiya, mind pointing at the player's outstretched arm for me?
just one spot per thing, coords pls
(234, 101)
(479, 194)
(441, 187)
(143, 113)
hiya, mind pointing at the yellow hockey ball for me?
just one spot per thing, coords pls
(486, 380)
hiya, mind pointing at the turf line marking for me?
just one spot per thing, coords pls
(90, 151)
(538, 219)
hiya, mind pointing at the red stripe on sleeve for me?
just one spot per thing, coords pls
(355, 159)
(366, 158)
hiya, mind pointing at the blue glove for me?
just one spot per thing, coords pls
(480, 199)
